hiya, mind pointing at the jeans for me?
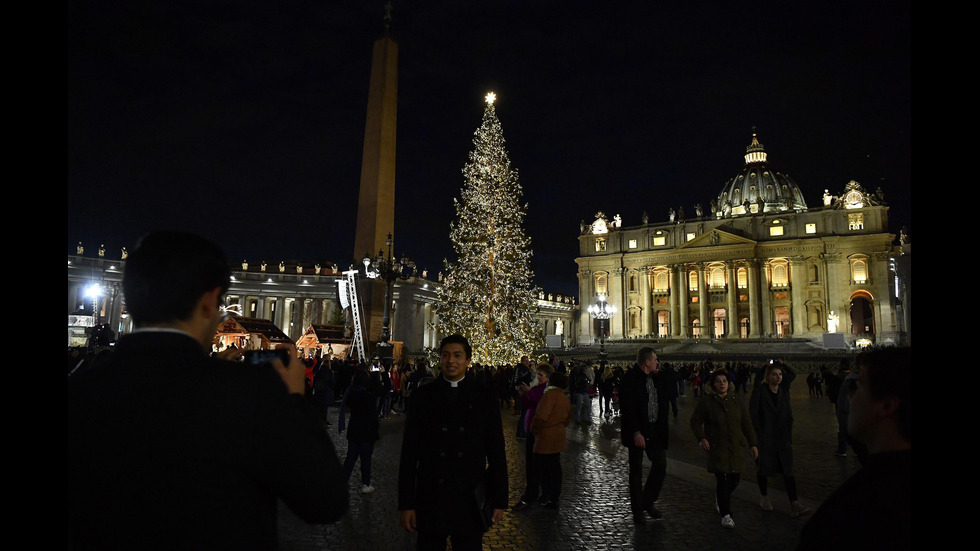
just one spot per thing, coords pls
(582, 406)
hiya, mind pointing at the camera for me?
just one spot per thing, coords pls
(265, 357)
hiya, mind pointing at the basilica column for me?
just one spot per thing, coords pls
(683, 301)
(765, 300)
(754, 321)
(838, 277)
(617, 297)
(704, 302)
(646, 317)
(879, 282)
(674, 297)
(733, 332)
(797, 279)
(584, 300)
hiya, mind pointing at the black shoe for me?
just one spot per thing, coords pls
(520, 506)
(654, 513)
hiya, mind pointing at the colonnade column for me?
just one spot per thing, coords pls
(753, 298)
(732, 316)
(797, 279)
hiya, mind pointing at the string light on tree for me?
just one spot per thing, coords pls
(487, 294)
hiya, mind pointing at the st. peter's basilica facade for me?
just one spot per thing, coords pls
(760, 264)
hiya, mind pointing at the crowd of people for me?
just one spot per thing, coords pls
(174, 448)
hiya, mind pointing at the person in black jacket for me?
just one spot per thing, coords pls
(363, 430)
(643, 399)
(172, 449)
(453, 447)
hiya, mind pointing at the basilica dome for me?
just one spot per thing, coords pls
(758, 188)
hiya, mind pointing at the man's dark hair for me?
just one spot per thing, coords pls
(457, 339)
(559, 380)
(167, 274)
(644, 354)
(889, 374)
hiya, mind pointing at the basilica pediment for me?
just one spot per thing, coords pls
(717, 238)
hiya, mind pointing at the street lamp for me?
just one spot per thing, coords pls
(602, 311)
(387, 268)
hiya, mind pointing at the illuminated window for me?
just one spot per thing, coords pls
(692, 281)
(775, 231)
(632, 243)
(659, 240)
(600, 244)
(859, 271)
(717, 278)
(600, 283)
(691, 236)
(855, 221)
(780, 274)
(811, 228)
(660, 280)
(743, 278)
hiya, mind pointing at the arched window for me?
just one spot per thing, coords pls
(780, 273)
(692, 281)
(601, 287)
(743, 278)
(633, 285)
(859, 270)
(661, 280)
(717, 277)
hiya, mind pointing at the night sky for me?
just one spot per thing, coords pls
(244, 121)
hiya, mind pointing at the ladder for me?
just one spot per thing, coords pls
(349, 295)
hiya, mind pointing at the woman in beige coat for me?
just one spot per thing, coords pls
(553, 414)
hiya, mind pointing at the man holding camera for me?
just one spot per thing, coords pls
(171, 449)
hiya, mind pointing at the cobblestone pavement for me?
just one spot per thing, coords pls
(594, 509)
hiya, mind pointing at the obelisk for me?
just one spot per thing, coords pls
(376, 201)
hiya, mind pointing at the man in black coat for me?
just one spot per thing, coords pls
(643, 399)
(453, 443)
(171, 449)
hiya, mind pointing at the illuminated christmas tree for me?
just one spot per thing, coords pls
(487, 294)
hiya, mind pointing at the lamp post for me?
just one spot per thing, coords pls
(601, 310)
(387, 268)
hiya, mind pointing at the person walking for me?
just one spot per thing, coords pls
(772, 418)
(607, 383)
(551, 416)
(530, 397)
(364, 429)
(723, 429)
(643, 405)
